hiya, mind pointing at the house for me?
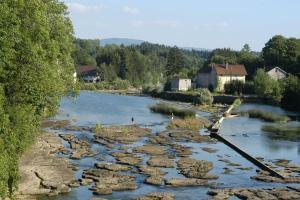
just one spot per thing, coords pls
(276, 73)
(218, 74)
(88, 74)
(181, 84)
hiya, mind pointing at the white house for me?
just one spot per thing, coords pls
(181, 84)
(276, 73)
(88, 74)
(218, 74)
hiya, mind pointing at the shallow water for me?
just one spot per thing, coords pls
(90, 108)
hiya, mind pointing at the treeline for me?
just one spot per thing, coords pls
(145, 64)
(36, 42)
(278, 51)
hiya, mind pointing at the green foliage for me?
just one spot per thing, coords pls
(36, 66)
(250, 59)
(237, 103)
(84, 49)
(234, 87)
(281, 51)
(266, 115)
(175, 62)
(141, 65)
(291, 94)
(265, 86)
(117, 84)
(167, 109)
(203, 96)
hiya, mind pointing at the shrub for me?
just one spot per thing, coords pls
(167, 109)
(234, 87)
(266, 115)
(265, 86)
(248, 88)
(203, 97)
(120, 84)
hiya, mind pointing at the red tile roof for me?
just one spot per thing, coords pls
(85, 69)
(228, 69)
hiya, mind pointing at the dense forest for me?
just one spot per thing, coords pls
(150, 64)
(36, 42)
(145, 64)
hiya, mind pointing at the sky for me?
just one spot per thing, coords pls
(206, 24)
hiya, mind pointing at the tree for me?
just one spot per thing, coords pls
(246, 48)
(281, 51)
(265, 86)
(36, 42)
(175, 62)
(291, 94)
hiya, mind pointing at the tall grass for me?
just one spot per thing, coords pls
(282, 132)
(167, 109)
(189, 124)
(266, 115)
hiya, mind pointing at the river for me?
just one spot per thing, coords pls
(91, 108)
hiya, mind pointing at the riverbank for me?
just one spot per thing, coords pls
(42, 172)
(118, 161)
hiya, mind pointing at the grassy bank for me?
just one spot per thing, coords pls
(167, 109)
(280, 131)
(265, 115)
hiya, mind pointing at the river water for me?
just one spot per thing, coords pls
(90, 108)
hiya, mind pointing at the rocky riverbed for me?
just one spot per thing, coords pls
(42, 171)
(152, 160)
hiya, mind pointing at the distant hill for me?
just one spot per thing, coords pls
(120, 41)
(195, 49)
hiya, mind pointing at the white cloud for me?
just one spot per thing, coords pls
(81, 8)
(131, 10)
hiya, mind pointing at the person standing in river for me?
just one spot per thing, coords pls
(132, 120)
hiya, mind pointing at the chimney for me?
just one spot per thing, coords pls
(226, 65)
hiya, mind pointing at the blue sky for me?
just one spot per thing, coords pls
(187, 23)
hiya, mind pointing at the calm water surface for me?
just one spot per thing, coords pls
(90, 108)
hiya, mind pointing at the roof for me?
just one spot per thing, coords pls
(269, 68)
(84, 69)
(228, 69)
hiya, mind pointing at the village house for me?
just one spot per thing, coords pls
(88, 74)
(276, 73)
(181, 84)
(218, 74)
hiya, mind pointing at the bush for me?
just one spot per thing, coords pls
(120, 84)
(167, 109)
(265, 86)
(266, 115)
(248, 88)
(234, 87)
(203, 97)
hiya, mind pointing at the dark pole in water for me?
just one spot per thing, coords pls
(245, 155)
